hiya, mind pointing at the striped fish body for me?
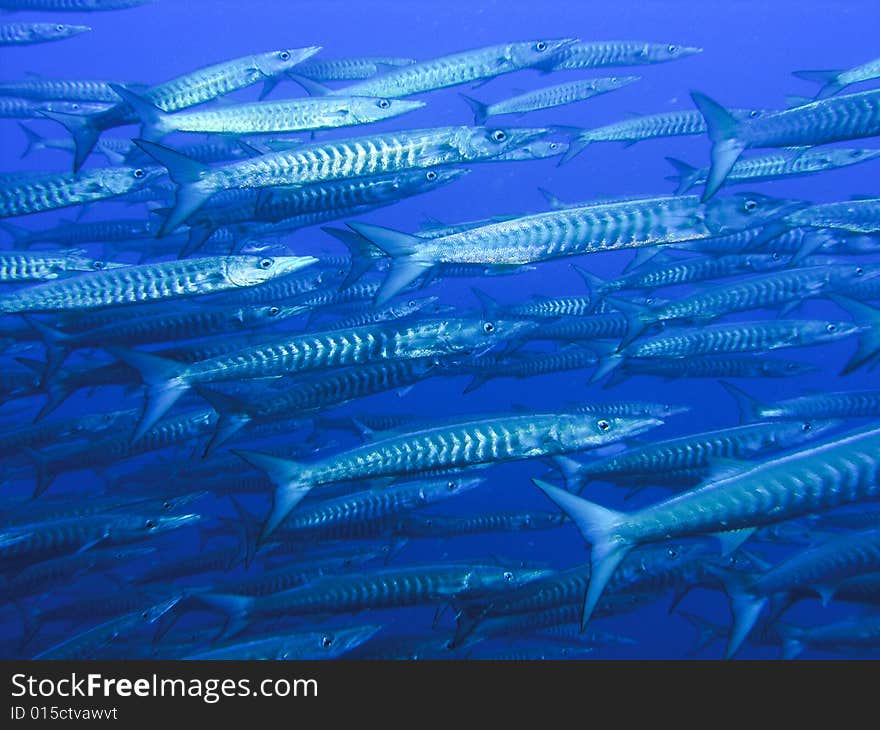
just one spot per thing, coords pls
(558, 95)
(823, 567)
(839, 118)
(718, 366)
(860, 634)
(294, 115)
(856, 216)
(693, 451)
(62, 90)
(77, 6)
(609, 326)
(151, 282)
(759, 292)
(600, 54)
(443, 526)
(650, 126)
(20, 34)
(458, 68)
(349, 69)
(44, 266)
(309, 645)
(18, 108)
(741, 337)
(63, 190)
(551, 307)
(72, 234)
(846, 404)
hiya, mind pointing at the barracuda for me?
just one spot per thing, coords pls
(786, 289)
(289, 354)
(829, 120)
(446, 526)
(818, 570)
(314, 394)
(456, 444)
(717, 366)
(326, 161)
(349, 69)
(371, 512)
(648, 126)
(392, 587)
(72, 234)
(21, 34)
(44, 266)
(571, 232)
(776, 166)
(837, 472)
(184, 91)
(40, 89)
(695, 451)
(841, 404)
(457, 68)
(521, 365)
(854, 633)
(600, 54)
(14, 108)
(51, 191)
(311, 645)
(293, 115)
(835, 81)
(152, 282)
(548, 97)
(731, 338)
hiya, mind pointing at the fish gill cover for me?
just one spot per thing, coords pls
(374, 337)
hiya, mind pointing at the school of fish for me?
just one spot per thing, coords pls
(251, 487)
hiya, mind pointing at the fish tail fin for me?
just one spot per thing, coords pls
(594, 284)
(363, 253)
(153, 119)
(43, 469)
(869, 340)
(609, 360)
(687, 175)
(249, 534)
(724, 131)
(488, 304)
(706, 632)
(406, 265)
(554, 201)
(477, 381)
(597, 525)
(478, 108)
(638, 318)
(163, 380)
(186, 173)
(84, 131)
(56, 349)
(232, 416)
(572, 471)
(749, 407)
(829, 81)
(34, 140)
(290, 479)
(467, 619)
(793, 642)
(745, 606)
(576, 145)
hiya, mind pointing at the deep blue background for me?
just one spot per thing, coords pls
(750, 49)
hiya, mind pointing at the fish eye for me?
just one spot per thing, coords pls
(791, 366)
(59, 28)
(749, 205)
(499, 135)
(98, 265)
(383, 103)
(149, 524)
(488, 328)
(754, 113)
(603, 425)
(775, 255)
(430, 175)
(672, 553)
(553, 145)
(540, 46)
(859, 271)
(265, 263)
(411, 303)
(326, 642)
(672, 48)
(138, 173)
(284, 55)
(807, 427)
(166, 504)
(508, 576)
(273, 311)
(451, 485)
(855, 153)
(830, 327)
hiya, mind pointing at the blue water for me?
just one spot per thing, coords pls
(750, 50)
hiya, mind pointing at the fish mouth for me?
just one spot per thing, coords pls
(520, 136)
(289, 264)
(641, 425)
(689, 51)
